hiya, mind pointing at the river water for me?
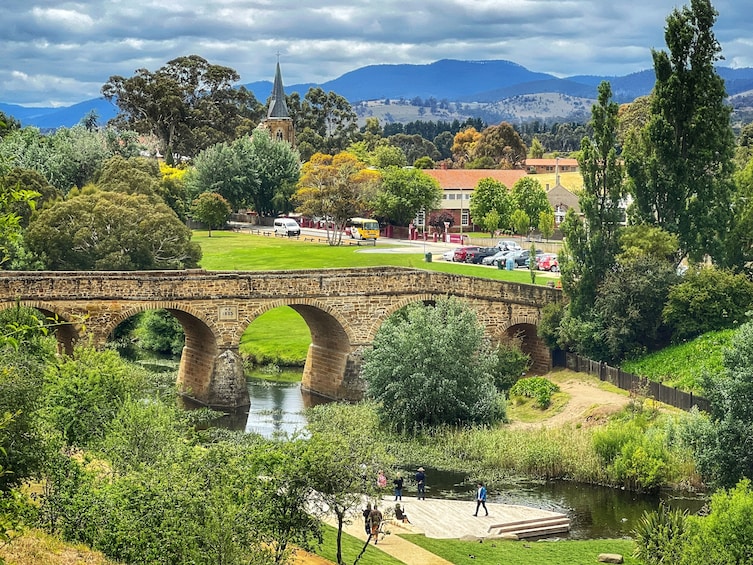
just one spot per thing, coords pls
(594, 511)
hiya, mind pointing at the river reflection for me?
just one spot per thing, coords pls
(276, 410)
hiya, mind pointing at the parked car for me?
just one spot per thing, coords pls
(521, 257)
(461, 253)
(478, 256)
(508, 245)
(497, 258)
(548, 262)
(448, 255)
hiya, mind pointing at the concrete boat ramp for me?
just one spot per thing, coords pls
(453, 519)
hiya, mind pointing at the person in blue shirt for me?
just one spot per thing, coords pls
(481, 498)
(421, 483)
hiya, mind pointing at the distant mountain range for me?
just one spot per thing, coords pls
(481, 88)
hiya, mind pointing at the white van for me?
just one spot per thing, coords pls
(287, 226)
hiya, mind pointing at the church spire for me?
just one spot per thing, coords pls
(277, 106)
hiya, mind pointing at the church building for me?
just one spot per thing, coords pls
(278, 122)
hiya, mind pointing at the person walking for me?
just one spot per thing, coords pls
(481, 498)
(421, 483)
(366, 514)
(375, 520)
(398, 482)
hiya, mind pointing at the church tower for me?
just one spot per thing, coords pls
(278, 122)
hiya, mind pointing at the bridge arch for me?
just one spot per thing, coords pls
(332, 343)
(67, 332)
(525, 328)
(202, 360)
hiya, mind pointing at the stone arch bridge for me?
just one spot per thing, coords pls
(342, 307)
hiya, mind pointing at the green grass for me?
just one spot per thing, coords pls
(523, 409)
(681, 366)
(232, 251)
(351, 547)
(566, 552)
(278, 336)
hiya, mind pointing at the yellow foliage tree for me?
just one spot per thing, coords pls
(335, 188)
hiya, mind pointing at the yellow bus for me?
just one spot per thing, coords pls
(362, 228)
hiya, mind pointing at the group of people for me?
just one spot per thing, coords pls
(373, 516)
(399, 482)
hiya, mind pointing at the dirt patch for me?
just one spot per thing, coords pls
(588, 404)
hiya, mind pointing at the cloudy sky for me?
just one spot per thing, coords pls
(59, 52)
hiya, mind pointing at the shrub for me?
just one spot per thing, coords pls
(511, 364)
(538, 388)
(658, 536)
(708, 299)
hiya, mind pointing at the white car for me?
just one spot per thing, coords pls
(508, 245)
(448, 255)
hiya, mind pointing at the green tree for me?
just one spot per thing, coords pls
(99, 230)
(720, 448)
(520, 221)
(130, 176)
(418, 383)
(335, 188)
(67, 158)
(385, 156)
(325, 122)
(414, 146)
(592, 243)
(404, 193)
(503, 145)
(528, 195)
(160, 332)
(490, 194)
(25, 352)
(739, 248)
(641, 239)
(725, 535)
(211, 209)
(546, 224)
(491, 222)
(188, 104)
(681, 163)
(628, 309)
(251, 171)
(342, 461)
(537, 150)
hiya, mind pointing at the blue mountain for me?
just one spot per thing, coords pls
(448, 79)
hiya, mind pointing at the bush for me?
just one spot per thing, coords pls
(511, 365)
(637, 456)
(431, 366)
(708, 299)
(658, 536)
(538, 388)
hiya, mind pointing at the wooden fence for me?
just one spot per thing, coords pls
(634, 383)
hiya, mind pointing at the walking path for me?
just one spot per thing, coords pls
(441, 519)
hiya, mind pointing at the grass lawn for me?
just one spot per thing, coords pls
(278, 336)
(233, 251)
(681, 366)
(566, 552)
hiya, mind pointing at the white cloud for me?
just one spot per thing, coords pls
(77, 45)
